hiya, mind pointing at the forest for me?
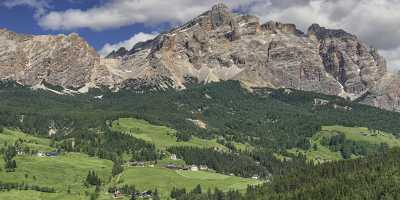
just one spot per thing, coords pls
(271, 121)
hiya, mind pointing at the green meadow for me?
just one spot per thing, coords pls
(147, 178)
(357, 134)
(66, 172)
(161, 136)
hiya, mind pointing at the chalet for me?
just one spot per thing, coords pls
(171, 166)
(146, 194)
(137, 164)
(117, 194)
(203, 167)
(20, 153)
(41, 154)
(256, 177)
(320, 102)
(194, 168)
(52, 154)
(173, 157)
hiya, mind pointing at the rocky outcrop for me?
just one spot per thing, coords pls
(385, 94)
(217, 45)
(61, 60)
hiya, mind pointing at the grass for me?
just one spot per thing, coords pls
(364, 135)
(9, 137)
(64, 172)
(357, 134)
(162, 137)
(146, 178)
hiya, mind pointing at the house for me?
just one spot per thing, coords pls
(137, 164)
(117, 194)
(52, 154)
(171, 166)
(41, 154)
(256, 177)
(173, 157)
(194, 168)
(146, 194)
(320, 102)
(203, 167)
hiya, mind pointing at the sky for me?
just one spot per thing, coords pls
(111, 24)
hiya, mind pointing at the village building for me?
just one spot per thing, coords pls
(41, 154)
(203, 167)
(256, 177)
(194, 168)
(173, 157)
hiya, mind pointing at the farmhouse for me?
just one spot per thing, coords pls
(320, 102)
(194, 168)
(41, 154)
(173, 157)
(256, 177)
(203, 167)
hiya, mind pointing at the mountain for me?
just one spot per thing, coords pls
(217, 45)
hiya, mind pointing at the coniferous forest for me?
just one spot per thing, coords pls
(270, 121)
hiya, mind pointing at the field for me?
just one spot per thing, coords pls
(161, 136)
(146, 178)
(357, 134)
(11, 136)
(66, 172)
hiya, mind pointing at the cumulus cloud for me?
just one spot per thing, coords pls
(128, 44)
(40, 6)
(119, 13)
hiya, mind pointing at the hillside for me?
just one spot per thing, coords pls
(223, 126)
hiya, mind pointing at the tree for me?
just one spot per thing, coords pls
(197, 190)
(156, 196)
(92, 179)
(117, 168)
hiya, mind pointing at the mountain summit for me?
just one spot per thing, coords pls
(217, 45)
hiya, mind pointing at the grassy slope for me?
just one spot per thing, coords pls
(11, 136)
(62, 172)
(68, 171)
(163, 137)
(359, 134)
(165, 180)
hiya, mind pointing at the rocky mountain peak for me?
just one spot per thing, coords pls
(215, 46)
(322, 32)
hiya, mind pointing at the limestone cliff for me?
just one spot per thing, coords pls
(217, 45)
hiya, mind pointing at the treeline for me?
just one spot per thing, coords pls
(24, 186)
(347, 148)
(109, 145)
(372, 177)
(222, 162)
(274, 119)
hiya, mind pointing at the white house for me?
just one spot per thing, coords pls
(173, 157)
(194, 168)
(41, 154)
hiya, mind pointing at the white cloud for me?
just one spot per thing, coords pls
(128, 44)
(117, 13)
(40, 6)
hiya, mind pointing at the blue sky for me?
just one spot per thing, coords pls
(110, 24)
(21, 19)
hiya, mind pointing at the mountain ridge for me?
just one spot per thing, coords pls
(217, 45)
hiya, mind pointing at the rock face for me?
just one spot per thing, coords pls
(66, 61)
(217, 45)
